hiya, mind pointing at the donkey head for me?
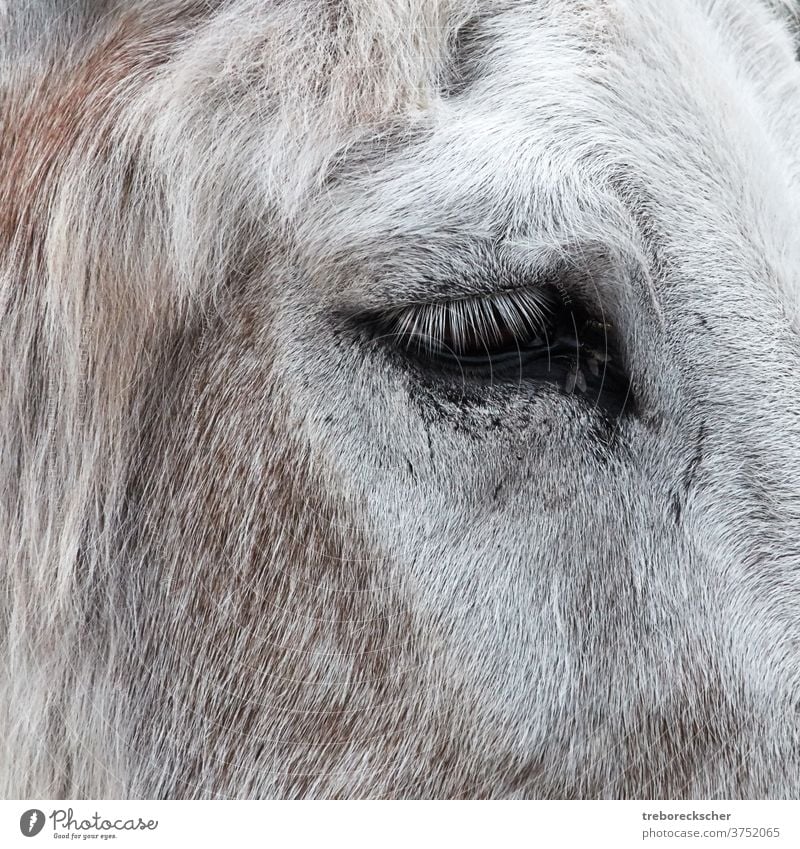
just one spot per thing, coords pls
(402, 398)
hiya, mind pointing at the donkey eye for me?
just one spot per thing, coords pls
(519, 337)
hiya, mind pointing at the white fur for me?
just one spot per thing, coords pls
(245, 555)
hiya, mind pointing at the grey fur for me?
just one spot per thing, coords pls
(245, 555)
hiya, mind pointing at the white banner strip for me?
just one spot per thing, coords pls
(416, 824)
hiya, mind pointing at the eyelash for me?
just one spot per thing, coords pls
(473, 327)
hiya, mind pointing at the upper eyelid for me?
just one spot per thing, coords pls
(442, 272)
(389, 305)
(462, 299)
(587, 276)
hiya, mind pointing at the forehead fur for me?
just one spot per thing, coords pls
(241, 108)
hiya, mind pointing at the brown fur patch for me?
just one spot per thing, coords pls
(289, 665)
(69, 105)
